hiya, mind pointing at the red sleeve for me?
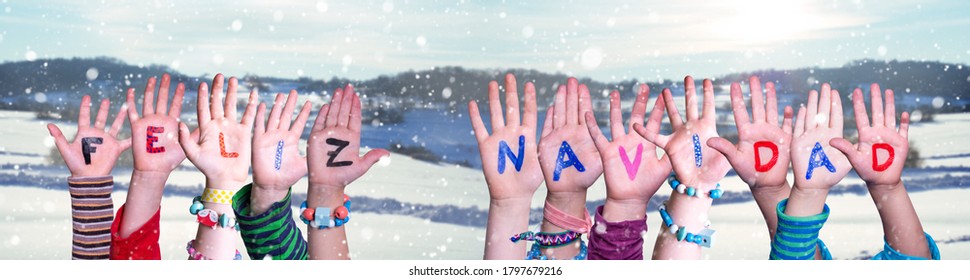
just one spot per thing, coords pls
(141, 245)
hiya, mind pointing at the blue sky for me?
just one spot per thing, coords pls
(605, 40)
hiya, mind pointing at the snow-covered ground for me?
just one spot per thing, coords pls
(36, 222)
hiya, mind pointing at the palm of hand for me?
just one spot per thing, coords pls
(681, 150)
(341, 168)
(758, 132)
(802, 150)
(649, 174)
(223, 150)
(277, 162)
(101, 162)
(165, 153)
(571, 179)
(870, 136)
(511, 183)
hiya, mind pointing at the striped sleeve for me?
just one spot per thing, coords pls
(797, 237)
(889, 253)
(92, 212)
(273, 234)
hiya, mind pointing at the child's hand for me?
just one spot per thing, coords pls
(631, 167)
(569, 159)
(155, 133)
(334, 146)
(816, 164)
(277, 162)
(700, 170)
(762, 156)
(516, 175)
(93, 151)
(224, 149)
(881, 153)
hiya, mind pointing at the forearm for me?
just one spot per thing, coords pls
(506, 217)
(328, 243)
(806, 201)
(767, 198)
(218, 242)
(572, 204)
(687, 212)
(263, 197)
(900, 223)
(92, 216)
(143, 201)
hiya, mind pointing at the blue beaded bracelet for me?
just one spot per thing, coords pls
(536, 254)
(320, 217)
(704, 238)
(716, 193)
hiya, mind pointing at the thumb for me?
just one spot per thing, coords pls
(372, 157)
(724, 147)
(845, 147)
(190, 147)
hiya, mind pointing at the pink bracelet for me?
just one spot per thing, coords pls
(196, 255)
(561, 219)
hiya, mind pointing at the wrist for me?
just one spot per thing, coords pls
(325, 197)
(617, 210)
(504, 203)
(262, 197)
(573, 203)
(224, 184)
(806, 201)
(885, 188)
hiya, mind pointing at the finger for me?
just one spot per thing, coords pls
(652, 136)
(511, 101)
(890, 109)
(757, 100)
(904, 125)
(836, 118)
(738, 106)
(190, 146)
(639, 106)
(176, 111)
(859, 108)
(231, 101)
(594, 130)
(59, 140)
(345, 105)
(656, 116)
(372, 157)
(250, 114)
(118, 122)
(724, 147)
(216, 105)
(585, 103)
(84, 116)
(848, 149)
(477, 125)
(320, 122)
(875, 96)
(786, 125)
(572, 101)
(800, 121)
(812, 110)
(304, 115)
(202, 105)
(102, 118)
(495, 107)
(559, 114)
(547, 125)
(616, 116)
(130, 105)
(690, 95)
(771, 104)
(529, 119)
(334, 108)
(708, 107)
(261, 119)
(672, 114)
(287, 115)
(148, 106)
(355, 114)
(274, 114)
(162, 105)
(825, 105)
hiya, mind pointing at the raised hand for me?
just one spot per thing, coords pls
(334, 145)
(817, 165)
(93, 152)
(155, 133)
(882, 149)
(569, 159)
(511, 166)
(509, 157)
(631, 167)
(277, 163)
(703, 169)
(223, 150)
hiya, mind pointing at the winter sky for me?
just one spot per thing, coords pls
(599, 39)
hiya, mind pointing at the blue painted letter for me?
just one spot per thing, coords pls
(818, 159)
(698, 157)
(563, 162)
(505, 151)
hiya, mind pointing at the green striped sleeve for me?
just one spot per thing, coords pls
(273, 234)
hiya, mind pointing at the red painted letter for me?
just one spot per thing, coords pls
(757, 156)
(222, 147)
(875, 161)
(151, 139)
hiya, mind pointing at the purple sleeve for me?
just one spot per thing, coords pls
(616, 241)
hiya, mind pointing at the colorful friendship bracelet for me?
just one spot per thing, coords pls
(704, 238)
(209, 217)
(315, 216)
(196, 255)
(217, 196)
(716, 193)
(536, 254)
(548, 240)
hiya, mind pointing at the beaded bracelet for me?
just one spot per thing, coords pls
(196, 255)
(704, 238)
(315, 217)
(692, 191)
(535, 254)
(547, 240)
(209, 217)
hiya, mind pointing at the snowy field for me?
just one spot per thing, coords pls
(36, 222)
